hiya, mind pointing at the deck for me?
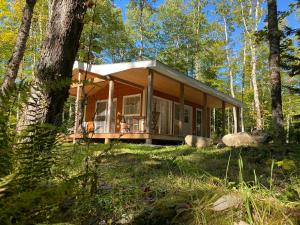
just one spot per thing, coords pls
(128, 136)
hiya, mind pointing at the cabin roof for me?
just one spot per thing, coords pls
(110, 69)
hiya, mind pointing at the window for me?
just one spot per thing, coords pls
(131, 109)
(131, 105)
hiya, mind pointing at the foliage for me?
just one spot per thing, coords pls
(138, 184)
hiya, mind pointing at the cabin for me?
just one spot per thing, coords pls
(144, 100)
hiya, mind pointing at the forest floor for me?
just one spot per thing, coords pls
(138, 184)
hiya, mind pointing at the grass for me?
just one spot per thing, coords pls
(138, 184)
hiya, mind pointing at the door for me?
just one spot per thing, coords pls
(198, 122)
(188, 116)
(100, 119)
(164, 109)
(187, 119)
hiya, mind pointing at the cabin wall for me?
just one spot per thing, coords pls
(121, 90)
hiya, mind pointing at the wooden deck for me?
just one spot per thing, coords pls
(129, 136)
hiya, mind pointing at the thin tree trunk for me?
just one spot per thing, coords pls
(243, 82)
(54, 69)
(259, 124)
(235, 128)
(19, 49)
(274, 62)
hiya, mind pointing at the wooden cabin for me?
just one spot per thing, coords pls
(143, 100)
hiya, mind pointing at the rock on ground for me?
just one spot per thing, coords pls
(243, 139)
(226, 202)
(199, 142)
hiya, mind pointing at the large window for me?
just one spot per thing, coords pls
(131, 110)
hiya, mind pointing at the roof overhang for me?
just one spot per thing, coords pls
(106, 70)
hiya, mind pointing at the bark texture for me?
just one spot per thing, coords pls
(19, 49)
(54, 70)
(275, 79)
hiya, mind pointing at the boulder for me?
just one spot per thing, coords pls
(199, 142)
(239, 139)
(260, 136)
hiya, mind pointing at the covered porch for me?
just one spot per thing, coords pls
(143, 100)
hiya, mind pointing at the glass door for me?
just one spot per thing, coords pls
(100, 119)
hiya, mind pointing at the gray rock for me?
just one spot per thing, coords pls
(239, 139)
(199, 142)
(226, 202)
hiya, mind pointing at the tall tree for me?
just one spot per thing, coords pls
(251, 15)
(274, 69)
(19, 49)
(58, 53)
(140, 19)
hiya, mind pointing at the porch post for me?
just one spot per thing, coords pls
(204, 116)
(110, 108)
(77, 102)
(149, 104)
(238, 114)
(223, 118)
(181, 109)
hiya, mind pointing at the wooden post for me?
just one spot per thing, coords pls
(223, 118)
(110, 106)
(77, 102)
(149, 104)
(181, 110)
(204, 116)
(238, 118)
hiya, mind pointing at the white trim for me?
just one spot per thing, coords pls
(128, 96)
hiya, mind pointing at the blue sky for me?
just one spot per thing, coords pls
(282, 6)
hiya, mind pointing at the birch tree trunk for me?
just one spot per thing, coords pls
(19, 49)
(274, 62)
(54, 70)
(253, 47)
(235, 127)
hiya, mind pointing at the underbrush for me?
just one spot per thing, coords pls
(138, 184)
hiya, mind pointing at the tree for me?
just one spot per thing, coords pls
(140, 19)
(19, 49)
(251, 21)
(54, 70)
(274, 69)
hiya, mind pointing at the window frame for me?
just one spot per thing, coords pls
(123, 104)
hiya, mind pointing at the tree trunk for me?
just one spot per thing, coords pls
(250, 31)
(19, 49)
(235, 128)
(274, 62)
(54, 70)
(259, 124)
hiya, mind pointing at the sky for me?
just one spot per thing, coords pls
(282, 5)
